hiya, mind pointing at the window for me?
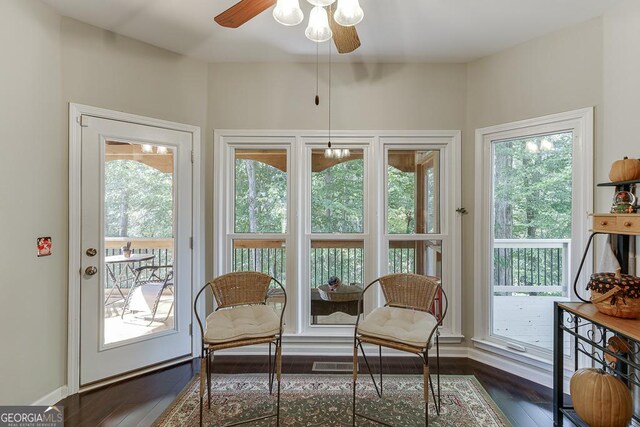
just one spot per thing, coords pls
(533, 185)
(309, 221)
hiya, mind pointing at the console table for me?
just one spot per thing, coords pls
(591, 330)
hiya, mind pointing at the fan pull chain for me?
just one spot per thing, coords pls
(317, 74)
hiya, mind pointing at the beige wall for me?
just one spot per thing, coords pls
(621, 92)
(552, 74)
(33, 185)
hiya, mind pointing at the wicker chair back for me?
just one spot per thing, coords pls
(240, 288)
(411, 291)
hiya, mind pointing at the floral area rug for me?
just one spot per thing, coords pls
(325, 400)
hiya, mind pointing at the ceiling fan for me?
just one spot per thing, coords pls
(341, 21)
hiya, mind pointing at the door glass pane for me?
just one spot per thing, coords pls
(337, 193)
(261, 191)
(413, 191)
(138, 292)
(532, 188)
(336, 280)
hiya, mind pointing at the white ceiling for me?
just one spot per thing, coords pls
(392, 30)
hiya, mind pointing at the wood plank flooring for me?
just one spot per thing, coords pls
(141, 400)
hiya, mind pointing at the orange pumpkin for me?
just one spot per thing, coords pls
(600, 399)
(625, 170)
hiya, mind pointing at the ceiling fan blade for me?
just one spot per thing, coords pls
(242, 12)
(345, 38)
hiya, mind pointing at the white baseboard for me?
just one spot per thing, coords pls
(52, 398)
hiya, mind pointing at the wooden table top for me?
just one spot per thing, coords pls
(628, 327)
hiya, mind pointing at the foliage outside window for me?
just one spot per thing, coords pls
(138, 200)
(337, 194)
(261, 191)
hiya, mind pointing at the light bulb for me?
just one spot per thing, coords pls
(147, 148)
(546, 145)
(162, 150)
(318, 29)
(288, 12)
(348, 13)
(321, 3)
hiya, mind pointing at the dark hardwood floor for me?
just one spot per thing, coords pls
(141, 400)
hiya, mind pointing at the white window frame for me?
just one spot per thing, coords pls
(580, 122)
(302, 337)
(450, 220)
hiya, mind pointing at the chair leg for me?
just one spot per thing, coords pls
(203, 367)
(279, 374)
(355, 379)
(270, 371)
(426, 391)
(439, 406)
(380, 366)
(209, 354)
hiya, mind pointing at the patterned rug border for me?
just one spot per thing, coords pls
(488, 399)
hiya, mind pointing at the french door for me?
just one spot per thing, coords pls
(136, 261)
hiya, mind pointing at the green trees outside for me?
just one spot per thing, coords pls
(532, 200)
(260, 198)
(138, 200)
(532, 188)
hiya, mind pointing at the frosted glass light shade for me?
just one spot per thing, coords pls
(321, 3)
(288, 12)
(318, 29)
(348, 13)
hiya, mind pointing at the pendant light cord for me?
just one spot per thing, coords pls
(329, 44)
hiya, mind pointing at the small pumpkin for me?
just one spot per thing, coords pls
(600, 399)
(625, 170)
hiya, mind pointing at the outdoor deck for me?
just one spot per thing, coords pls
(525, 318)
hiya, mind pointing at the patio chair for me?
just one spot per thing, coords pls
(408, 322)
(242, 317)
(150, 282)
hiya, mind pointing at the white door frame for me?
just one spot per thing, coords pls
(75, 163)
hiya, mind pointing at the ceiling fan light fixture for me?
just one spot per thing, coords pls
(348, 13)
(318, 29)
(322, 3)
(288, 12)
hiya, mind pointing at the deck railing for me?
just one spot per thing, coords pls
(531, 266)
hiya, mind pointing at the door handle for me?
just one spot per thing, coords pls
(90, 271)
(91, 252)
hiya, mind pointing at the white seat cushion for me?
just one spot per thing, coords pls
(402, 325)
(249, 321)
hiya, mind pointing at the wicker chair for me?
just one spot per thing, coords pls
(241, 318)
(408, 322)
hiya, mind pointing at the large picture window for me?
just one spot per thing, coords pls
(315, 223)
(533, 188)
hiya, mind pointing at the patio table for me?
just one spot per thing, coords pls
(110, 262)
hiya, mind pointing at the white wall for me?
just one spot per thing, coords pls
(33, 186)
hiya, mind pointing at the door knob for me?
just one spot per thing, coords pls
(91, 252)
(91, 270)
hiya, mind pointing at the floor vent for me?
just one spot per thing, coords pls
(332, 367)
